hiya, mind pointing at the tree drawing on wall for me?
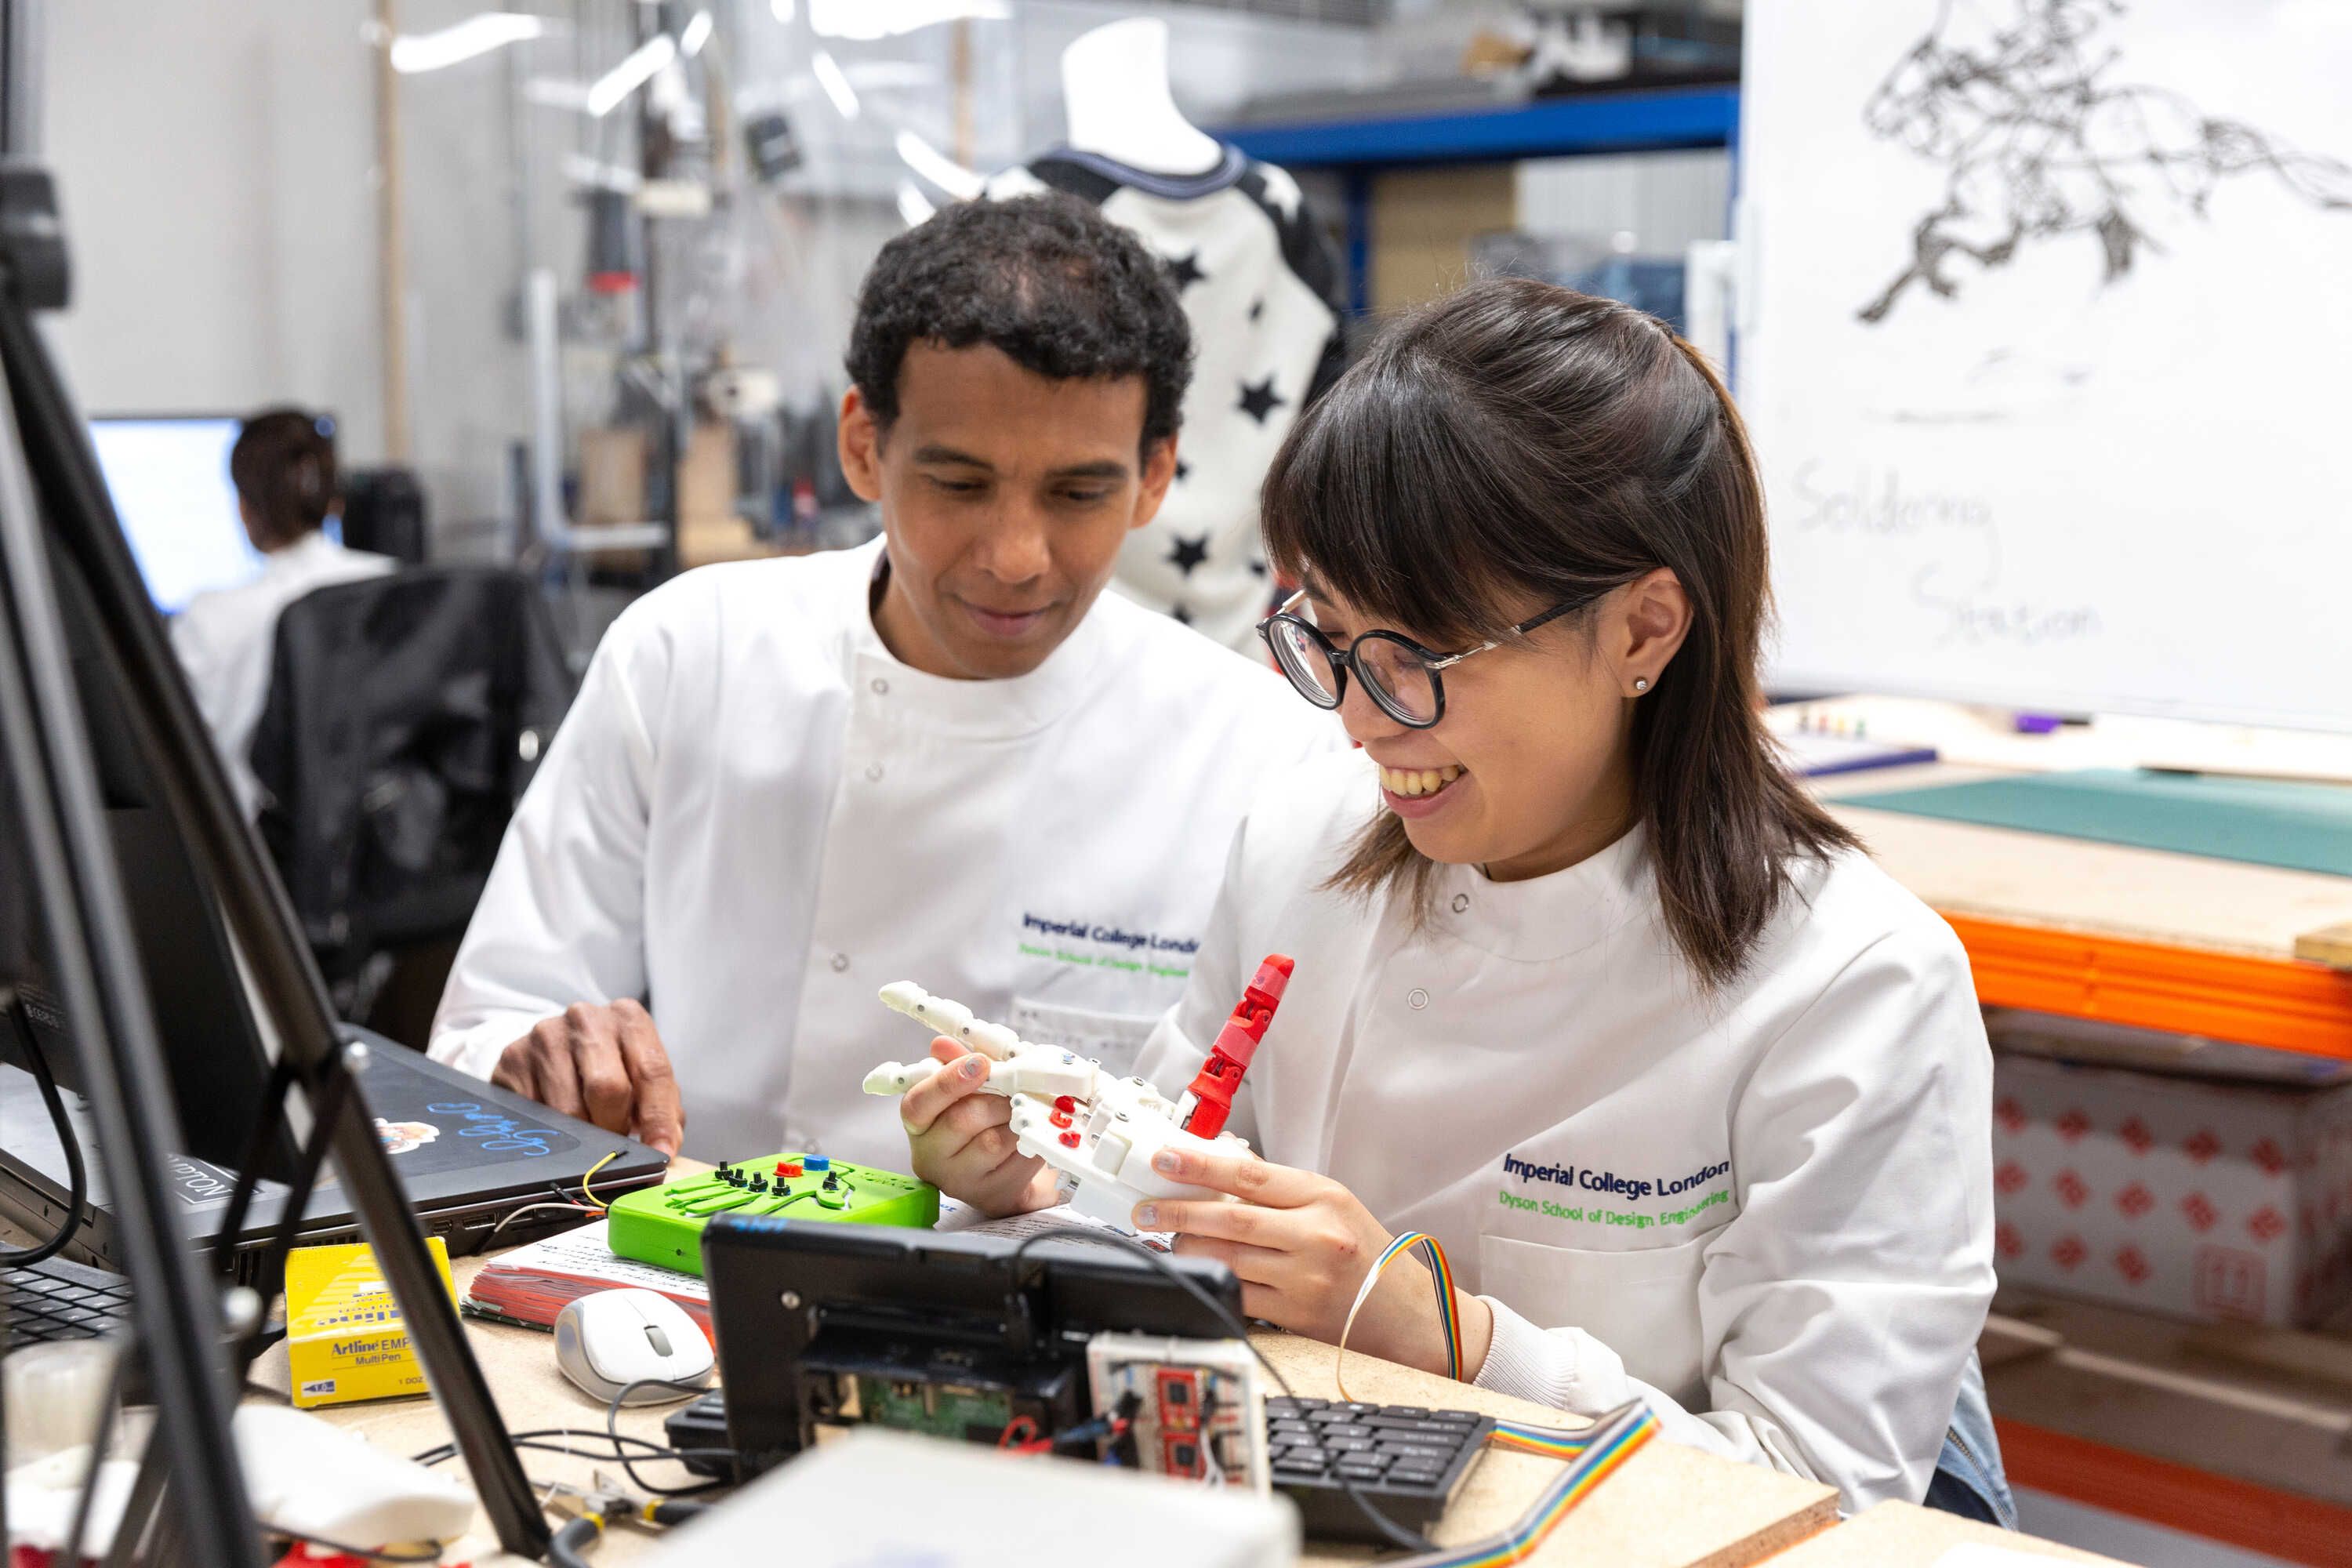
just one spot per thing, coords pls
(2040, 144)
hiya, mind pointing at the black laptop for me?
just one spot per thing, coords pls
(468, 1154)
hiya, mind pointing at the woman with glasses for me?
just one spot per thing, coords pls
(1696, 1097)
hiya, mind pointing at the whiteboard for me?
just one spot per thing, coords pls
(2046, 349)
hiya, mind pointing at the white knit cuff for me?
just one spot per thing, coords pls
(1522, 1359)
(1564, 1369)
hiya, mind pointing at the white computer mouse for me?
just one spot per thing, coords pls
(608, 1341)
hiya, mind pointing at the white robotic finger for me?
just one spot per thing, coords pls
(952, 1018)
(897, 1078)
(1047, 1074)
(991, 1039)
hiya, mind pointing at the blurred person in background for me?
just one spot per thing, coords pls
(283, 466)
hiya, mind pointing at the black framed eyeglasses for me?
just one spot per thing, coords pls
(1405, 677)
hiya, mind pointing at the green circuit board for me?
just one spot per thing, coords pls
(965, 1414)
(663, 1225)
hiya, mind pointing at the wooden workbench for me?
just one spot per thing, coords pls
(1669, 1507)
(1896, 1532)
(2158, 940)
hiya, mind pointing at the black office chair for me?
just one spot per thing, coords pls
(405, 714)
(383, 510)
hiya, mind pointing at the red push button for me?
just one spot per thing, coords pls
(1070, 1140)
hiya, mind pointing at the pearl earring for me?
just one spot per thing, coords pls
(1641, 684)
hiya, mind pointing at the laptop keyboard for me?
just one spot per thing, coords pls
(58, 1301)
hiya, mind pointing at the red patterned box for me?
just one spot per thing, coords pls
(2202, 1200)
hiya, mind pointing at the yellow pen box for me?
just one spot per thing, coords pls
(344, 1337)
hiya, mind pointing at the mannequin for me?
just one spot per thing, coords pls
(1257, 279)
(1115, 87)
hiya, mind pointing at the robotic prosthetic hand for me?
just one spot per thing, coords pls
(1016, 1066)
(1100, 1131)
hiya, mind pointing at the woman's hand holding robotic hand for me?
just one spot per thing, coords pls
(962, 1139)
(1302, 1244)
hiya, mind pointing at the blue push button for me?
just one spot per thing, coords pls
(816, 1163)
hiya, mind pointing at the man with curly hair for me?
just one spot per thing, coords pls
(947, 757)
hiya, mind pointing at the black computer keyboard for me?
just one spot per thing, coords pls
(1405, 1461)
(61, 1301)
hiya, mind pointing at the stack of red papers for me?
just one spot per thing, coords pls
(531, 1284)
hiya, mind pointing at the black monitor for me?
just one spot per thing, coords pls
(212, 1048)
(809, 1313)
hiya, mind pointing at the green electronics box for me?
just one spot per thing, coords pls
(663, 1225)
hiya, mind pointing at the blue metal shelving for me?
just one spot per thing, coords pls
(1632, 122)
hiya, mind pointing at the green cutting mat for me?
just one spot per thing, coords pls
(2267, 822)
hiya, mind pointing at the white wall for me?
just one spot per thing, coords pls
(215, 160)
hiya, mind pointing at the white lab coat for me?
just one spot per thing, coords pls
(1767, 1211)
(754, 818)
(228, 638)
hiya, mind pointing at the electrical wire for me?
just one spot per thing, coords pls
(1603, 1449)
(679, 1455)
(589, 1193)
(513, 1215)
(1390, 1528)
(1441, 1273)
(441, 1454)
(1545, 1441)
(628, 1465)
(569, 1549)
(77, 1177)
(1592, 1455)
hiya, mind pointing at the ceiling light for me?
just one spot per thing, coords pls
(867, 20)
(913, 206)
(646, 61)
(939, 168)
(695, 33)
(836, 85)
(474, 36)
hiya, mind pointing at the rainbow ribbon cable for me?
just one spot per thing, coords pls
(1441, 1275)
(1543, 1441)
(1598, 1453)
(1592, 1455)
